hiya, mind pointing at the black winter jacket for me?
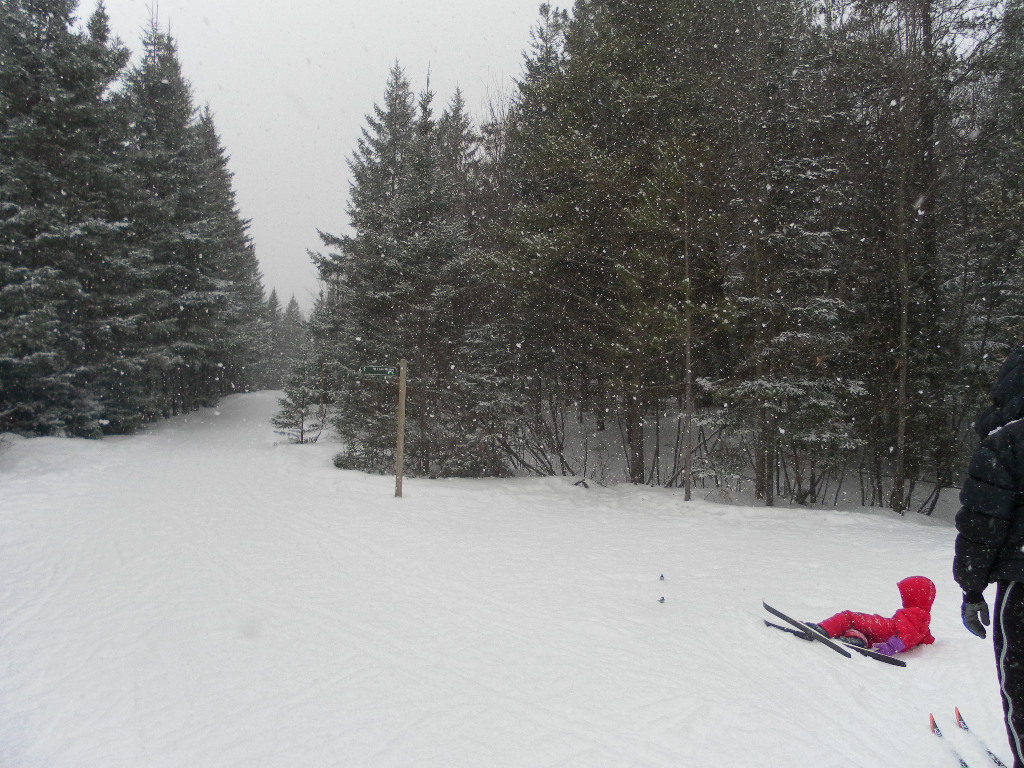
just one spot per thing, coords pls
(990, 544)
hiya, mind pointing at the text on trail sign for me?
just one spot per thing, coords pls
(378, 370)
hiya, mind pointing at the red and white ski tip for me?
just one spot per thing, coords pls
(960, 720)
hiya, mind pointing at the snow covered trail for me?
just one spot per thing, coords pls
(201, 596)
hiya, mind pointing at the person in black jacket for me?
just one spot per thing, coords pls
(990, 540)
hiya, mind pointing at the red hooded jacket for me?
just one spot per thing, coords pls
(910, 622)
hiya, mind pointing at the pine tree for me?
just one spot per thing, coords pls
(786, 393)
(302, 415)
(272, 374)
(304, 407)
(291, 336)
(313, 379)
(404, 279)
(128, 284)
(230, 258)
(180, 338)
(286, 335)
(993, 236)
(364, 267)
(60, 246)
(607, 298)
(897, 67)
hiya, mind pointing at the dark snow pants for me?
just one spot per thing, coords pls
(1008, 639)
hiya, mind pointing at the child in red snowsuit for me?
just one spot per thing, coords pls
(907, 627)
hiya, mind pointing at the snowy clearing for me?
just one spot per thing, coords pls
(204, 595)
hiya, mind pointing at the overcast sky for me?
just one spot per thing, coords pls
(290, 84)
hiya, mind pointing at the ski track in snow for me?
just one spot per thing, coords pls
(203, 595)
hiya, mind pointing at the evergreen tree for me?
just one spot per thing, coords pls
(273, 308)
(897, 65)
(312, 380)
(607, 297)
(128, 284)
(302, 414)
(60, 245)
(304, 408)
(989, 279)
(788, 396)
(287, 332)
(273, 375)
(187, 299)
(404, 279)
(364, 268)
(230, 259)
(290, 337)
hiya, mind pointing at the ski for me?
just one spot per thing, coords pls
(978, 740)
(862, 651)
(873, 654)
(808, 633)
(950, 747)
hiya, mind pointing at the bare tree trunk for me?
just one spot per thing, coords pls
(897, 500)
(917, 77)
(636, 463)
(688, 426)
(764, 465)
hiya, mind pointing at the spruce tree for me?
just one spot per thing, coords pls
(230, 258)
(404, 279)
(273, 374)
(365, 267)
(304, 407)
(898, 65)
(61, 252)
(180, 338)
(993, 223)
(607, 298)
(290, 337)
(787, 394)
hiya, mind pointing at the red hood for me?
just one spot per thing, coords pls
(917, 592)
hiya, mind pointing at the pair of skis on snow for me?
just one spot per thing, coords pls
(977, 740)
(801, 630)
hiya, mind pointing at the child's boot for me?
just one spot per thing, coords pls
(816, 628)
(853, 637)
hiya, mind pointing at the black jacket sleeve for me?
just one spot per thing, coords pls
(990, 499)
(977, 547)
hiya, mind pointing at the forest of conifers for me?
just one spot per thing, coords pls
(129, 287)
(772, 246)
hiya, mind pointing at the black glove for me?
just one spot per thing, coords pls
(974, 613)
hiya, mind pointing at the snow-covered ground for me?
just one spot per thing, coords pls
(206, 596)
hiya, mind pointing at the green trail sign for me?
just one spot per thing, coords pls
(378, 370)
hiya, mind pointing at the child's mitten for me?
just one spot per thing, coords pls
(890, 647)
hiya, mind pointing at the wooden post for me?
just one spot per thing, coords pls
(400, 445)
